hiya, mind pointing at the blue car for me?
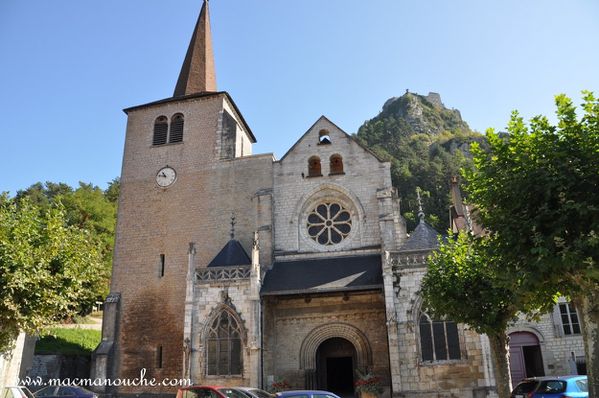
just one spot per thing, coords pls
(306, 394)
(552, 387)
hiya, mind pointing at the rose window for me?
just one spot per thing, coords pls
(329, 223)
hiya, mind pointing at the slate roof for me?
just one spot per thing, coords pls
(324, 275)
(422, 237)
(232, 254)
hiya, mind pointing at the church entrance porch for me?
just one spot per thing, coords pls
(335, 359)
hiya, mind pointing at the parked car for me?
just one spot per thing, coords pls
(306, 394)
(552, 387)
(251, 392)
(16, 392)
(211, 392)
(64, 392)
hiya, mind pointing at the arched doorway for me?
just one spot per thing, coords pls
(335, 364)
(525, 356)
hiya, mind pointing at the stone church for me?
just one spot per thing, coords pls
(232, 268)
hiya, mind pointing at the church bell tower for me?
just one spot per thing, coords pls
(187, 166)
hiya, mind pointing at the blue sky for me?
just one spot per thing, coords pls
(68, 67)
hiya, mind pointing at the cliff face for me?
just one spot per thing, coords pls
(426, 144)
(423, 114)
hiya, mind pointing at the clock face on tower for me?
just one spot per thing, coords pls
(166, 176)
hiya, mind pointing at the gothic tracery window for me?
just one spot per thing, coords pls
(223, 346)
(439, 340)
(329, 223)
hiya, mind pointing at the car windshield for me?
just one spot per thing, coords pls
(583, 385)
(232, 393)
(551, 387)
(260, 393)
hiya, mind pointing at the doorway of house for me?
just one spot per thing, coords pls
(525, 356)
(335, 365)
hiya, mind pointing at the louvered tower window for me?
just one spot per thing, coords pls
(336, 166)
(224, 353)
(160, 130)
(176, 134)
(314, 169)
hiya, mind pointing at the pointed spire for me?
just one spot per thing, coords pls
(233, 225)
(197, 73)
(420, 211)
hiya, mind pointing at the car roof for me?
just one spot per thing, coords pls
(543, 378)
(305, 392)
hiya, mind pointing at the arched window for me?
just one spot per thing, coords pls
(314, 169)
(176, 134)
(336, 166)
(439, 340)
(160, 130)
(223, 346)
(324, 137)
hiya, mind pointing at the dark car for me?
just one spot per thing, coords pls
(64, 392)
(552, 387)
(306, 394)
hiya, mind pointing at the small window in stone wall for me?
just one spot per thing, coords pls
(569, 318)
(176, 133)
(160, 130)
(223, 346)
(159, 357)
(336, 166)
(439, 340)
(324, 137)
(161, 265)
(314, 168)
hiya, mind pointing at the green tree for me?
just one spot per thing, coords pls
(537, 191)
(47, 268)
(466, 282)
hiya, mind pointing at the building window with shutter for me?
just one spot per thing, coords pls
(439, 339)
(336, 165)
(224, 346)
(314, 169)
(176, 133)
(160, 130)
(569, 318)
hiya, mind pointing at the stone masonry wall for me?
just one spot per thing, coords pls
(467, 377)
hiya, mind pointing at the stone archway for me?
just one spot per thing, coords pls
(335, 366)
(320, 334)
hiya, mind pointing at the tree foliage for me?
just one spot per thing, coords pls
(88, 208)
(537, 189)
(47, 267)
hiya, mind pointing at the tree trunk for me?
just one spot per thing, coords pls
(589, 320)
(500, 355)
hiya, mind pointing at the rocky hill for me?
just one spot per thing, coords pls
(426, 144)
